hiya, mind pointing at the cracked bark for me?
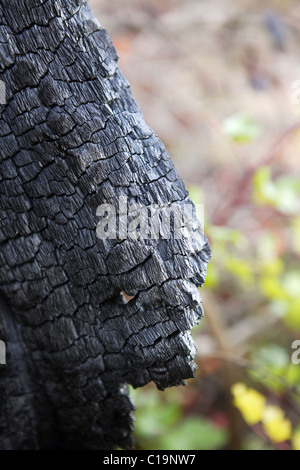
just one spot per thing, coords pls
(72, 138)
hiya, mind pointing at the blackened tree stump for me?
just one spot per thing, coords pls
(72, 139)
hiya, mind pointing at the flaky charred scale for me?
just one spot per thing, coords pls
(82, 317)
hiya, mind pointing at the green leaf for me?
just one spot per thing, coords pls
(225, 235)
(194, 434)
(267, 247)
(292, 375)
(291, 283)
(213, 275)
(196, 194)
(283, 193)
(292, 317)
(287, 198)
(264, 191)
(241, 269)
(271, 366)
(274, 267)
(272, 288)
(241, 128)
(154, 416)
(274, 356)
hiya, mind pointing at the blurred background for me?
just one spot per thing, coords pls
(219, 82)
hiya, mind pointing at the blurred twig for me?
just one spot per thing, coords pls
(239, 195)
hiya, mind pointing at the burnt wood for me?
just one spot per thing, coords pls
(72, 138)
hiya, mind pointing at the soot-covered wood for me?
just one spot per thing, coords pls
(72, 137)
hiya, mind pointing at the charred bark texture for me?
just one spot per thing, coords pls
(72, 137)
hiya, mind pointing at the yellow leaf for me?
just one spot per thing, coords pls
(274, 267)
(271, 287)
(296, 440)
(276, 426)
(250, 403)
(238, 389)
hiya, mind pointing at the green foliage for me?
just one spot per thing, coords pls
(272, 367)
(194, 434)
(161, 424)
(241, 128)
(282, 193)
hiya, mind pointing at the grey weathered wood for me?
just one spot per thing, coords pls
(72, 137)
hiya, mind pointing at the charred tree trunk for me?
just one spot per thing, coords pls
(73, 138)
